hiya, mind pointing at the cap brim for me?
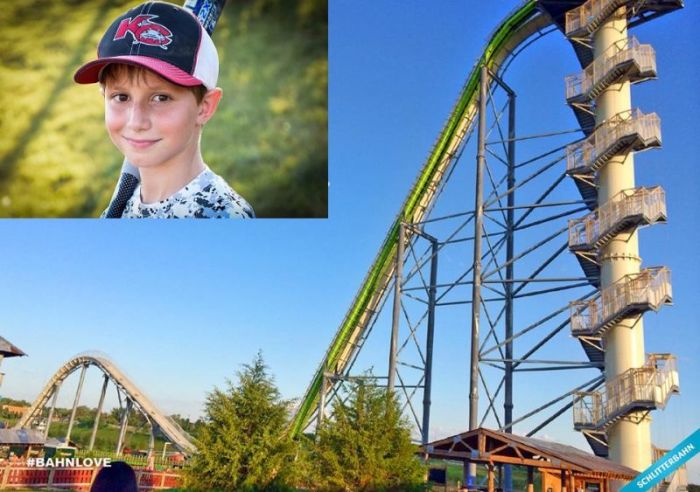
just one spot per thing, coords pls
(90, 72)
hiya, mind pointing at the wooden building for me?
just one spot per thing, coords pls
(562, 468)
(20, 442)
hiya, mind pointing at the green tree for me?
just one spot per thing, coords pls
(242, 444)
(366, 445)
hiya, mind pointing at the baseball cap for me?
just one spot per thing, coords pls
(162, 37)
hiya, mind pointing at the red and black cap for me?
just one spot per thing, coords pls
(162, 37)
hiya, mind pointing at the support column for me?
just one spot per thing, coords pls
(321, 401)
(491, 487)
(151, 438)
(75, 402)
(56, 387)
(429, 344)
(151, 457)
(530, 479)
(122, 426)
(165, 446)
(563, 481)
(476, 271)
(467, 466)
(397, 307)
(510, 247)
(629, 443)
(99, 412)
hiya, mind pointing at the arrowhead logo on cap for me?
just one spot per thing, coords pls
(144, 31)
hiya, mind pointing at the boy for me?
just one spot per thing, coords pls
(158, 69)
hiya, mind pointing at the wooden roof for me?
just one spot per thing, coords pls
(26, 437)
(9, 350)
(490, 446)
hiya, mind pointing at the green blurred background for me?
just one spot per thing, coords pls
(268, 138)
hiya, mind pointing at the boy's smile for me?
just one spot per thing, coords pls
(139, 143)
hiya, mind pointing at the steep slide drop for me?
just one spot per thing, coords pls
(515, 31)
(167, 426)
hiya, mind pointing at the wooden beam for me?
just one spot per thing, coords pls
(500, 448)
(562, 477)
(517, 451)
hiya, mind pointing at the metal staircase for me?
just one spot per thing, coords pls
(585, 19)
(632, 295)
(587, 188)
(598, 440)
(625, 132)
(594, 348)
(628, 60)
(644, 388)
(626, 211)
(590, 266)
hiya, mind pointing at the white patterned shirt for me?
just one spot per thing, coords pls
(207, 196)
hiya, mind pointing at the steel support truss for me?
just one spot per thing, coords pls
(509, 251)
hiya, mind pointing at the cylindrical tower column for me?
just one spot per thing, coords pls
(629, 443)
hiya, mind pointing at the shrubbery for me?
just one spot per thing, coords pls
(243, 444)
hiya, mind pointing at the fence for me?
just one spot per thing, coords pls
(19, 475)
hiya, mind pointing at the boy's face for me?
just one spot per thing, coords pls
(152, 121)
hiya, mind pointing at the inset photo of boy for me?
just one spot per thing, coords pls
(159, 110)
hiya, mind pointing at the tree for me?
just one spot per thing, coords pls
(242, 444)
(366, 445)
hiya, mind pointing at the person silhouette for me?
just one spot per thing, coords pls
(119, 477)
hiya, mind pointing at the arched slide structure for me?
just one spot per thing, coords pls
(522, 26)
(138, 400)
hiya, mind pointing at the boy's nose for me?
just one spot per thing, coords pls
(139, 118)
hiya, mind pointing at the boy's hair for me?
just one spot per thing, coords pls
(118, 71)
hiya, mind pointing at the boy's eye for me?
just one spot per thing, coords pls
(120, 97)
(161, 98)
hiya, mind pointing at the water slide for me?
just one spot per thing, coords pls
(172, 431)
(514, 32)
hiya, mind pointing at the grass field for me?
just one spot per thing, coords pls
(107, 437)
(455, 475)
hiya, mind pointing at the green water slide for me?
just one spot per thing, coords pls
(516, 29)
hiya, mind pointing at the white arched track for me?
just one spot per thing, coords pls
(168, 427)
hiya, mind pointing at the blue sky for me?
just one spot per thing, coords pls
(179, 306)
